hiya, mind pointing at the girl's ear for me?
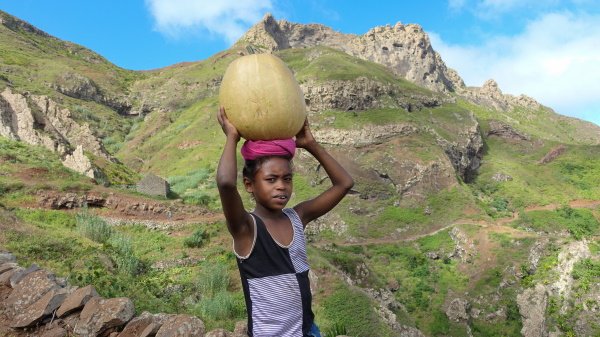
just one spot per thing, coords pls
(248, 185)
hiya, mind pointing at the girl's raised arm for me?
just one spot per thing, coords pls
(238, 220)
(341, 181)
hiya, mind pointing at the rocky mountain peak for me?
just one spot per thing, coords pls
(491, 86)
(405, 49)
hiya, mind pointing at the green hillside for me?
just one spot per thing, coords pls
(430, 222)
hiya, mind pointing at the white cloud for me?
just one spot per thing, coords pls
(456, 4)
(555, 59)
(493, 9)
(228, 19)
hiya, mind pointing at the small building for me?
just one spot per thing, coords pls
(152, 184)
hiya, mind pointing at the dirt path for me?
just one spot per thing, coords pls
(497, 226)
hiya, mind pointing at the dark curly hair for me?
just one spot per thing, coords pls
(252, 166)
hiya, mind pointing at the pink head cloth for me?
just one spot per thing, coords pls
(253, 149)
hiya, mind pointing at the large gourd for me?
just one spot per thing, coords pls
(262, 98)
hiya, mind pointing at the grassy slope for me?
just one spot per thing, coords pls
(157, 143)
(33, 62)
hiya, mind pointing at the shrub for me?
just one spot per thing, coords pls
(216, 303)
(578, 222)
(196, 240)
(93, 227)
(221, 305)
(346, 261)
(213, 279)
(124, 256)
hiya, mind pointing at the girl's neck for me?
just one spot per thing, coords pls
(264, 213)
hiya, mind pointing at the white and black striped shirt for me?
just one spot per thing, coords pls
(275, 282)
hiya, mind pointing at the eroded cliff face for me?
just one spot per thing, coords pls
(38, 120)
(534, 302)
(78, 86)
(364, 94)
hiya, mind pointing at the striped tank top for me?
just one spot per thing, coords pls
(275, 282)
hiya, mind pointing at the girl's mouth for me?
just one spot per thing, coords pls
(281, 196)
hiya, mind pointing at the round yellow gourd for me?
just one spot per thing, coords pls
(262, 98)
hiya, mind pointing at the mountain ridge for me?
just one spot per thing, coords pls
(448, 168)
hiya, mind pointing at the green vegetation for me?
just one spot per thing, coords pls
(119, 261)
(196, 187)
(94, 228)
(579, 223)
(359, 318)
(25, 170)
(586, 272)
(189, 269)
(439, 209)
(573, 175)
(196, 240)
(216, 303)
(545, 271)
(324, 63)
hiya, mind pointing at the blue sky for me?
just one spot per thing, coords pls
(546, 49)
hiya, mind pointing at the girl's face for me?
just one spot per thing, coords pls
(272, 184)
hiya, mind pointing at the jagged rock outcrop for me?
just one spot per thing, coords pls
(533, 302)
(404, 49)
(362, 94)
(78, 162)
(78, 86)
(464, 247)
(38, 120)
(490, 95)
(553, 154)
(458, 310)
(567, 258)
(466, 150)
(504, 130)
(532, 306)
(367, 135)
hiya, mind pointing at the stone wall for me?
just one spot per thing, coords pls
(34, 302)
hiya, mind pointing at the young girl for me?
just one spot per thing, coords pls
(269, 242)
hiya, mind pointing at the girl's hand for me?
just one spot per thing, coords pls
(304, 137)
(228, 129)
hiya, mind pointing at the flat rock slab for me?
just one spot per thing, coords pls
(100, 315)
(40, 309)
(182, 326)
(55, 332)
(31, 288)
(5, 277)
(76, 300)
(7, 266)
(145, 325)
(21, 274)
